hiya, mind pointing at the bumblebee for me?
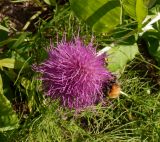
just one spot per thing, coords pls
(112, 89)
(115, 91)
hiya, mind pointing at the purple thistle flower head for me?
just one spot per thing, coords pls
(74, 74)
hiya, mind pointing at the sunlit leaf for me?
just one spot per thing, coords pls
(120, 56)
(7, 62)
(101, 15)
(136, 9)
(141, 11)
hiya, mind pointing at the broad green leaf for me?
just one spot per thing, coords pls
(12, 63)
(7, 62)
(130, 7)
(152, 37)
(120, 56)
(8, 118)
(101, 15)
(50, 2)
(141, 11)
(136, 9)
(4, 28)
(153, 44)
(149, 3)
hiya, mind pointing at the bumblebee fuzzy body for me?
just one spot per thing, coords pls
(113, 89)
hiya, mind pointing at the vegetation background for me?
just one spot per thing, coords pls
(26, 28)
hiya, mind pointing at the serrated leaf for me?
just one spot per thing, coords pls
(120, 56)
(7, 62)
(101, 15)
(8, 118)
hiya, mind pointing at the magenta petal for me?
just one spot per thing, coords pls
(74, 74)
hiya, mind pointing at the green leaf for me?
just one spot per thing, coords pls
(149, 3)
(101, 15)
(154, 14)
(4, 28)
(141, 11)
(130, 7)
(152, 37)
(155, 10)
(7, 62)
(153, 44)
(8, 118)
(136, 9)
(120, 56)
(50, 2)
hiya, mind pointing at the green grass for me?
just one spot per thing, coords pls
(131, 118)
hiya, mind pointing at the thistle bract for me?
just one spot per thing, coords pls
(74, 74)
